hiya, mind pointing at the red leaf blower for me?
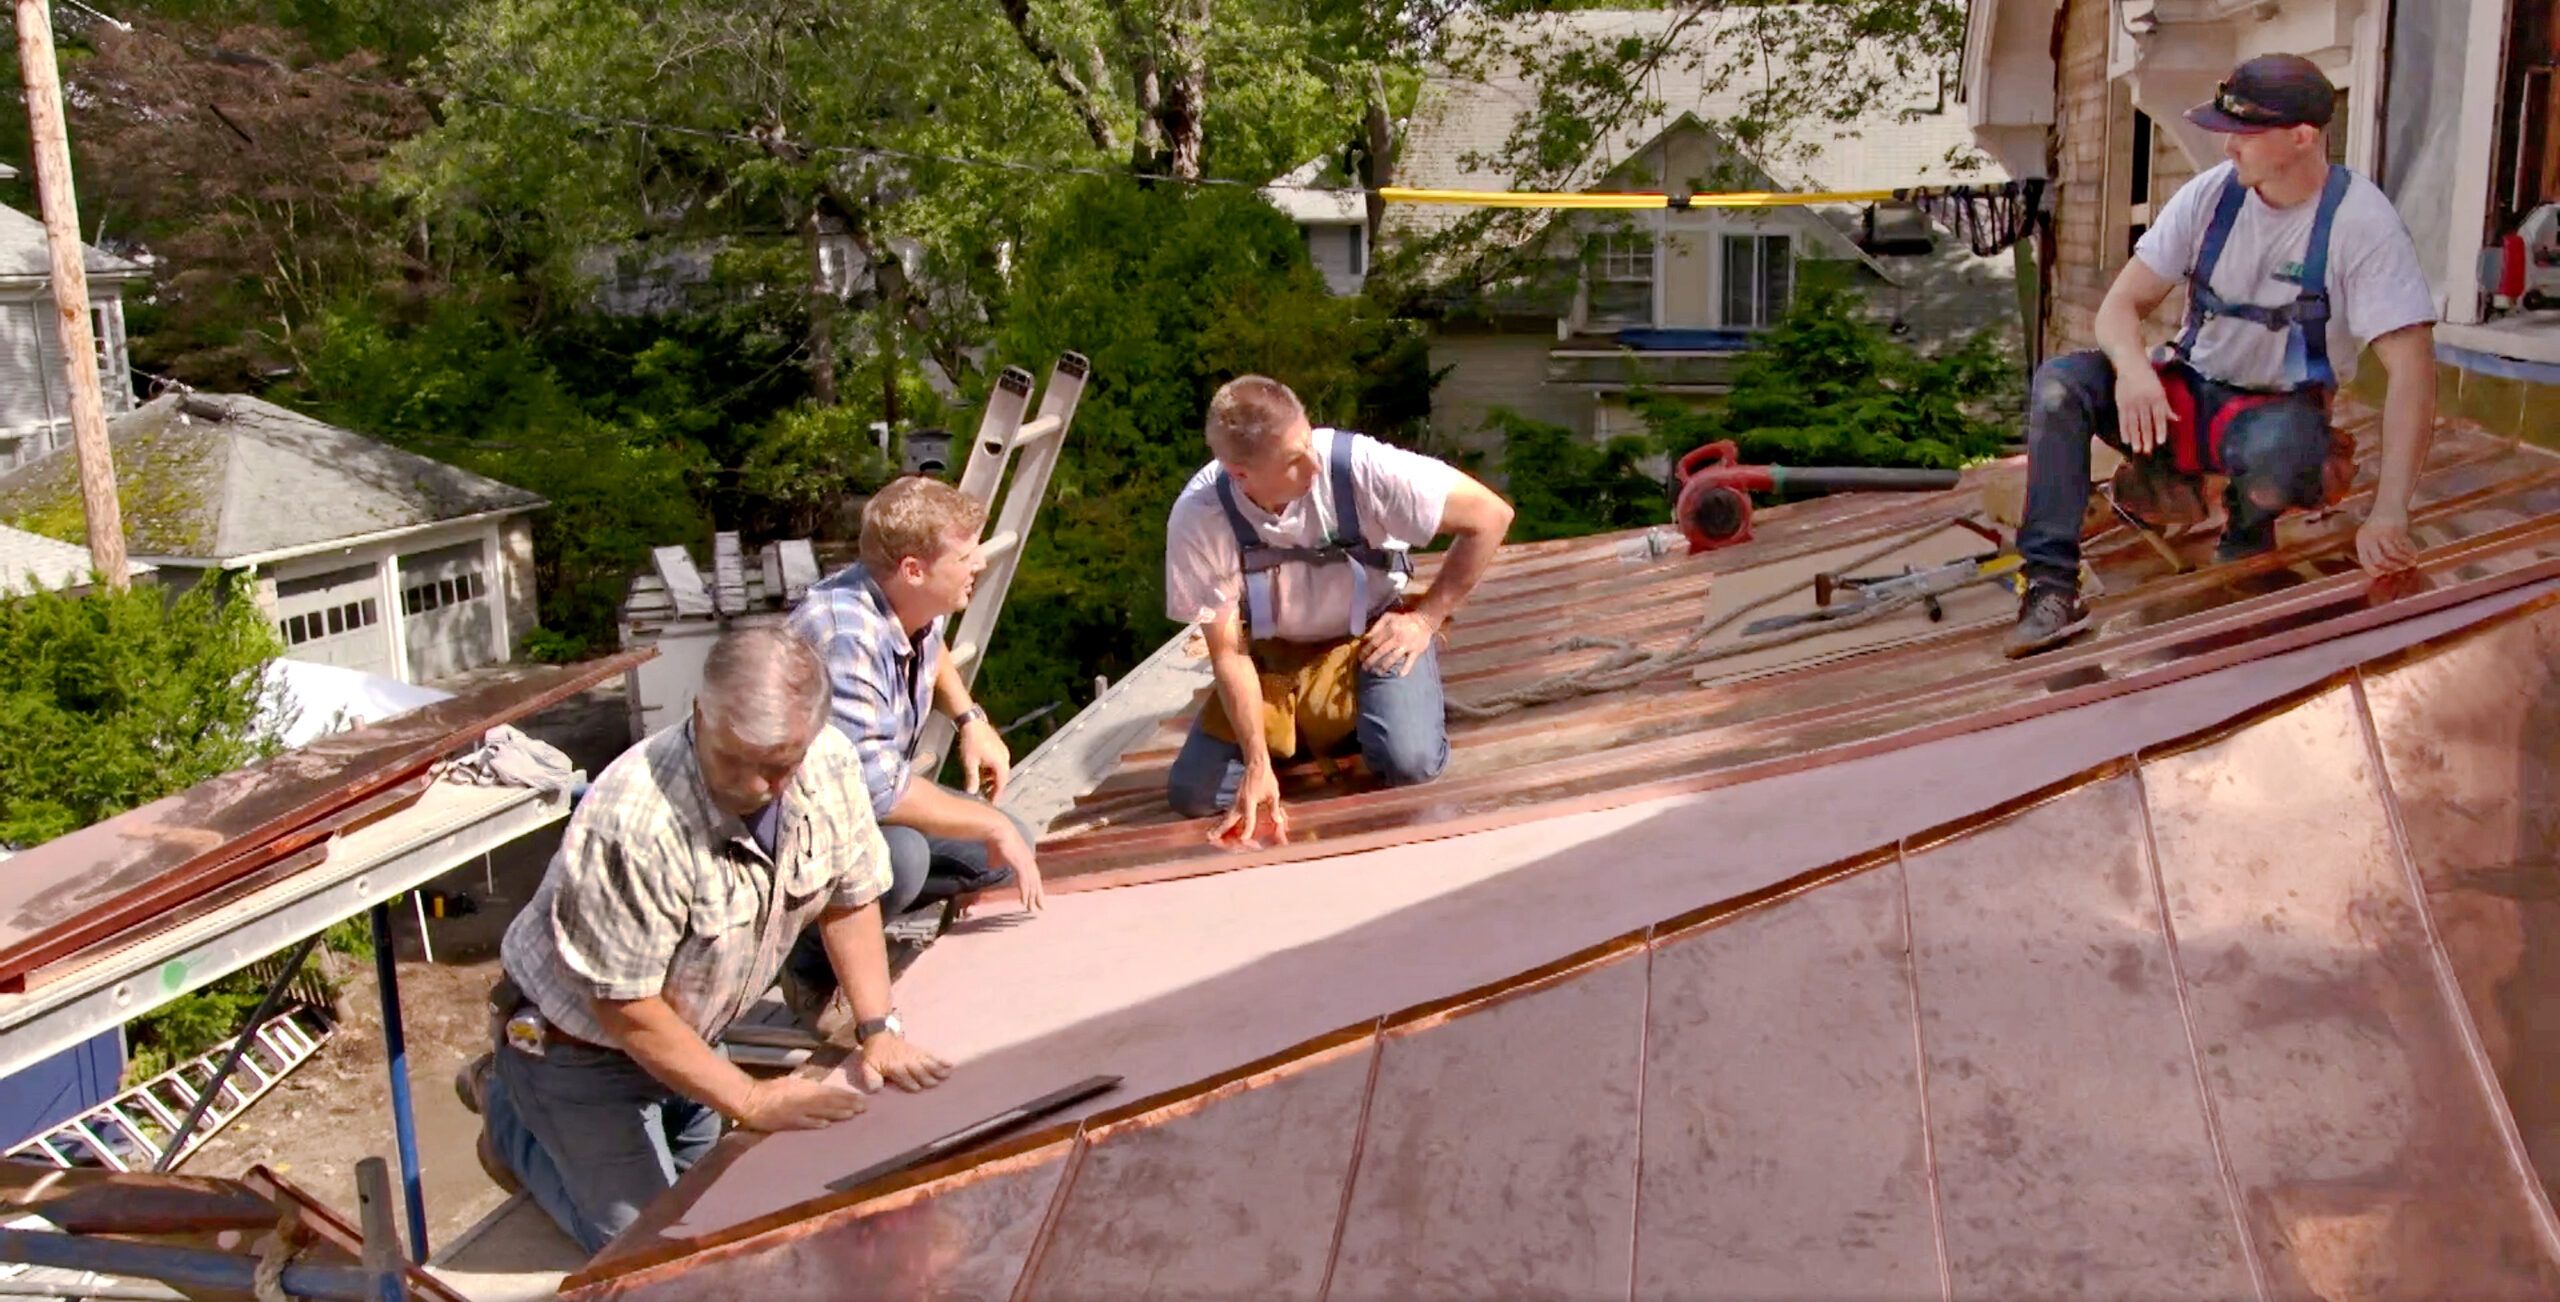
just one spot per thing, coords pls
(1714, 503)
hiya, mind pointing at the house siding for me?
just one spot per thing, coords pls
(2084, 105)
(1489, 369)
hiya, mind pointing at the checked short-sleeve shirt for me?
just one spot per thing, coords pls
(656, 890)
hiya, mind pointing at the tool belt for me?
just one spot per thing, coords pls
(518, 1021)
(1310, 697)
(2169, 488)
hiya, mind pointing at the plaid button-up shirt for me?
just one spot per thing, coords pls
(656, 890)
(883, 684)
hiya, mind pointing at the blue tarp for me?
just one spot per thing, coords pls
(1665, 340)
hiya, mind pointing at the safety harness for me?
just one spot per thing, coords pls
(2197, 449)
(1348, 545)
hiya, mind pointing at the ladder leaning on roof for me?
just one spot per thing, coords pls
(137, 1122)
(1030, 450)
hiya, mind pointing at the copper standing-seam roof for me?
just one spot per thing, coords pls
(2250, 1012)
(2484, 502)
(1638, 814)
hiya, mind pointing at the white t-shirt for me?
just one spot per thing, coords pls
(2375, 285)
(1400, 498)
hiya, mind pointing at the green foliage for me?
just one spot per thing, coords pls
(1561, 486)
(1826, 387)
(109, 700)
(813, 457)
(189, 1025)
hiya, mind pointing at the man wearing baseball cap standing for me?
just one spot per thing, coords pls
(2292, 266)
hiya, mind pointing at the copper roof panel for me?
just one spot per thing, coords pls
(1500, 1154)
(2072, 1146)
(1185, 981)
(1162, 1207)
(2470, 737)
(966, 1235)
(1783, 1148)
(2367, 1147)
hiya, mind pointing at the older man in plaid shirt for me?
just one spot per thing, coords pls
(877, 623)
(685, 875)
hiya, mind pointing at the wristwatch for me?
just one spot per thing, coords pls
(864, 1030)
(968, 716)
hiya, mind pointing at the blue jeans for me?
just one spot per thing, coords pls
(592, 1134)
(1403, 732)
(2273, 454)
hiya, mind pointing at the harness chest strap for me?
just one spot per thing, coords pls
(2305, 320)
(1259, 559)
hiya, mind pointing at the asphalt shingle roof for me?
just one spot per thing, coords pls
(31, 562)
(23, 256)
(216, 477)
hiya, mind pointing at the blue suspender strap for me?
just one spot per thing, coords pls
(2217, 233)
(1257, 582)
(2307, 339)
(1346, 524)
(1346, 501)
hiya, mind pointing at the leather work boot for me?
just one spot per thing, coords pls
(471, 1082)
(2049, 616)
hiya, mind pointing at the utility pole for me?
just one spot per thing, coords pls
(50, 160)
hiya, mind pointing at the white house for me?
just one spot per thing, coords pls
(2451, 105)
(1669, 299)
(366, 556)
(1331, 217)
(35, 413)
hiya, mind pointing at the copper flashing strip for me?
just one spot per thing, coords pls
(2233, 1199)
(1613, 778)
(1901, 861)
(85, 887)
(2546, 1223)
(333, 1230)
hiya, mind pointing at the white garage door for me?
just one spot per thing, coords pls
(450, 609)
(335, 618)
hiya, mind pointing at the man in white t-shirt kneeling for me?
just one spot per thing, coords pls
(2292, 266)
(1291, 551)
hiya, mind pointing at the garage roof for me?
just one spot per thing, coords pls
(215, 478)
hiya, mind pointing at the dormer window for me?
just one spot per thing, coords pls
(1619, 275)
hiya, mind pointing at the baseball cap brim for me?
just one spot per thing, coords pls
(2221, 123)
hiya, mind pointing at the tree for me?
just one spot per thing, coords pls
(798, 122)
(1796, 74)
(246, 164)
(110, 700)
(1826, 387)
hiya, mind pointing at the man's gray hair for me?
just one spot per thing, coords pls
(764, 686)
(1248, 417)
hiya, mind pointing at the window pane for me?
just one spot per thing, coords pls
(444, 591)
(372, 615)
(1777, 271)
(1740, 278)
(337, 623)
